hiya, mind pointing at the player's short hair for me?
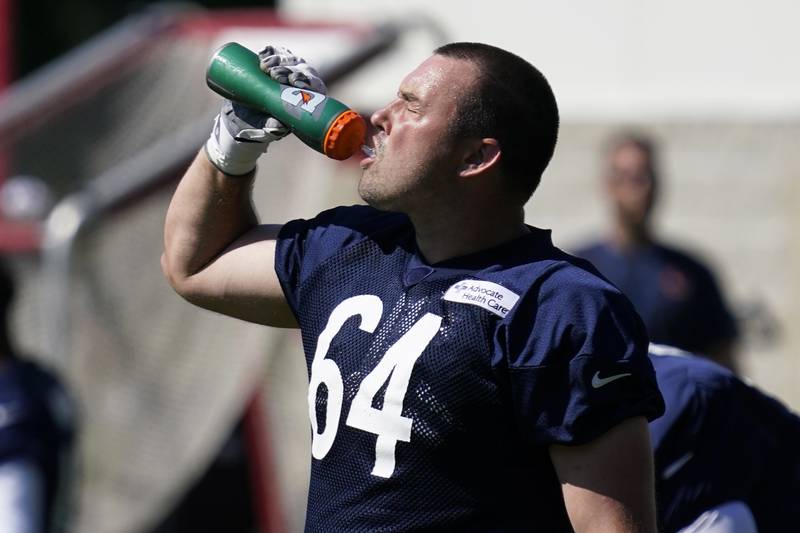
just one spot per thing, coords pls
(513, 103)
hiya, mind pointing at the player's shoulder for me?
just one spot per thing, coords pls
(563, 276)
(563, 293)
(691, 387)
(577, 272)
(558, 292)
(537, 264)
(676, 368)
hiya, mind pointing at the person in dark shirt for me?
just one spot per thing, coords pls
(676, 295)
(727, 455)
(36, 428)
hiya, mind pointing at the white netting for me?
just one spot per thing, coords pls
(159, 382)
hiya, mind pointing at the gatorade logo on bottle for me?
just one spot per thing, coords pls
(306, 100)
(321, 122)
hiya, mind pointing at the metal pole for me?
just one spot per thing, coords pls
(133, 178)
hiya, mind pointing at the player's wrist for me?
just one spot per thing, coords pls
(229, 155)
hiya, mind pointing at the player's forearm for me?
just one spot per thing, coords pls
(595, 513)
(208, 211)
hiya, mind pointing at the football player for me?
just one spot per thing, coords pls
(465, 374)
(727, 455)
(37, 426)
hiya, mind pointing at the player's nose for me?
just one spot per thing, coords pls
(380, 119)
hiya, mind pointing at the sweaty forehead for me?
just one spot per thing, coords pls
(439, 76)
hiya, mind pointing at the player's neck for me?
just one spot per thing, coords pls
(446, 235)
(629, 237)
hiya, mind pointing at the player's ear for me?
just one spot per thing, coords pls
(481, 155)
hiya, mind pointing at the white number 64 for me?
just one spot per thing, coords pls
(395, 367)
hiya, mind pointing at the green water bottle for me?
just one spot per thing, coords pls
(323, 123)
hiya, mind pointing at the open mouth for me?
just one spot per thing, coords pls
(369, 155)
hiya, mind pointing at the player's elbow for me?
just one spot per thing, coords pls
(177, 279)
(186, 285)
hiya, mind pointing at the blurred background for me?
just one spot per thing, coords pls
(181, 413)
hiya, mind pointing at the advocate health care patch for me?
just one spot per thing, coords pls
(491, 296)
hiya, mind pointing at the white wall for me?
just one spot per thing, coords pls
(630, 59)
(717, 83)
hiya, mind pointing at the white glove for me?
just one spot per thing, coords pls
(241, 134)
(285, 67)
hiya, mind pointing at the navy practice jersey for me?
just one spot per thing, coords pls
(676, 296)
(721, 440)
(435, 390)
(36, 423)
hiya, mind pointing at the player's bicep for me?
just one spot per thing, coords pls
(241, 282)
(608, 483)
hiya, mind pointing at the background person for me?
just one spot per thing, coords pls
(676, 295)
(465, 374)
(726, 454)
(36, 430)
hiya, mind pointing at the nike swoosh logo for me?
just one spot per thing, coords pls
(673, 468)
(598, 382)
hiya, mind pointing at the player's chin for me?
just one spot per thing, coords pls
(373, 195)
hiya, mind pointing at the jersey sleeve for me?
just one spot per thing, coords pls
(577, 361)
(726, 441)
(304, 244)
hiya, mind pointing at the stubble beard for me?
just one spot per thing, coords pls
(368, 185)
(395, 188)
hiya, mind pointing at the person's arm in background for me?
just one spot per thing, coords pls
(714, 321)
(608, 483)
(723, 352)
(215, 253)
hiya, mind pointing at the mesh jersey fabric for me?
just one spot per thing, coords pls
(487, 393)
(719, 440)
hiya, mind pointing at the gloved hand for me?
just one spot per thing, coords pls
(241, 134)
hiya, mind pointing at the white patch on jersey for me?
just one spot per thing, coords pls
(491, 296)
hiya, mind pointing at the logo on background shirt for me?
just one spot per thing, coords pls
(674, 284)
(598, 382)
(491, 296)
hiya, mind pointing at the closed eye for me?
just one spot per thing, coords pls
(412, 102)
